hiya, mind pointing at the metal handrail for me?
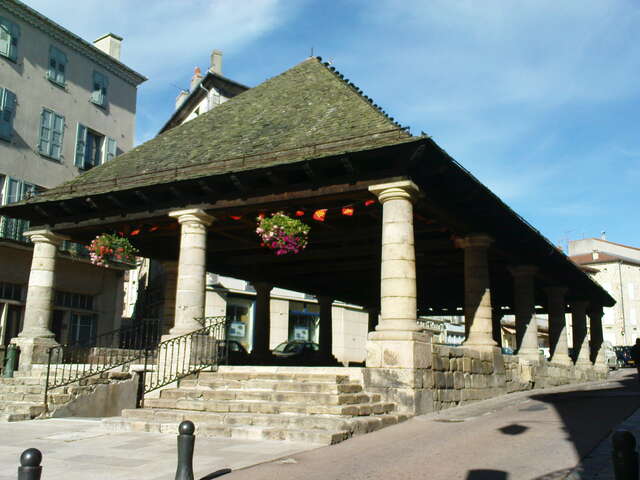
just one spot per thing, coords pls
(185, 355)
(101, 353)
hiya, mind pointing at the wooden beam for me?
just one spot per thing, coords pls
(114, 200)
(141, 196)
(266, 201)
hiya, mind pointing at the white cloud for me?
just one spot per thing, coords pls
(164, 39)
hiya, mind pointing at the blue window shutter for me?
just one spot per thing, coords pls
(9, 35)
(46, 121)
(57, 65)
(7, 113)
(99, 89)
(81, 144)
(57, 136)
(110, 150)
(5, 38)
(96, 93)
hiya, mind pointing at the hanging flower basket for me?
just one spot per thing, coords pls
(282, 234)
(110, 249)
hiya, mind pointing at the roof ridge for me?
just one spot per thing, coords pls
(358, 91)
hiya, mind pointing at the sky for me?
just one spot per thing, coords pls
(538, 99)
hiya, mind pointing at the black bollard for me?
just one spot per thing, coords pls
(625, 457)
(30, 468)
(186, 442)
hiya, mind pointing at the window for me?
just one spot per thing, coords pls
(73, 300)
(10, 291)
(7, 113)
(51, 133)
(99, 89)
(13, 191)
(57, 66)
(9, 35)
(82, 329)
(303, 321)
(92, 149)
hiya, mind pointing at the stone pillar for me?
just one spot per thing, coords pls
(170, 288)
(559, 346)
(579, 326)
(262, 322)
(191, 283)
(326, 327)
(595, 326)
(398, 270)
(36, 338)
(397, 341)
(477, 293)
(526, 323)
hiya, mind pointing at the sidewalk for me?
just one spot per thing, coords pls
(598, 464)
(79, 449)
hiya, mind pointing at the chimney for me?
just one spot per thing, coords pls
(109, 44)
(197, 76)
(216, 62)
(182, 96)
(603, 235)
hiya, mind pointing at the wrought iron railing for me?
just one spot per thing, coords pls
(185, 355)
(98, 354)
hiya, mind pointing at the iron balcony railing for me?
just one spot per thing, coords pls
(71, 363)
(185, 355)
(13, 229)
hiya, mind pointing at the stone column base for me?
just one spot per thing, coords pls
(33, 350)
(398, 349)
(411, 389)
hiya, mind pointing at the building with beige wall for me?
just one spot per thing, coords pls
(617, 268)
(66, 105)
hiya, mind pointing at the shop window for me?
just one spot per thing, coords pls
(239, 313)
(304, 319)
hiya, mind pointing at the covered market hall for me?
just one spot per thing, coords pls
(397, 226)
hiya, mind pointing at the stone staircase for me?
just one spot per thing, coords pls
(312, 407)
(22, 397)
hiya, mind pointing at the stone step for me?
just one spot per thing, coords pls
(31, 409)
(14, 417)
(273, 385)
(315, 429)
(268, 396)
(304, 422)
(268, 407)
(21, 397)
(291, 377)
(21, 388)
(245, 432)
(22, 381)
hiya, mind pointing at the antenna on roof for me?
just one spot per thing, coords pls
(311, 52)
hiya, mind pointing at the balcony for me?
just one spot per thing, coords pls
(13, 229)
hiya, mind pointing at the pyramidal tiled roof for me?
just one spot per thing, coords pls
(309, 111)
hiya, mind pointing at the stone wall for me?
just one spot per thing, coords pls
(462, 375)
(458, 376)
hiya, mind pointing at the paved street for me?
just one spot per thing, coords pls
(530, 435)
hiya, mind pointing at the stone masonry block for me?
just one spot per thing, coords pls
(476, 366)
(466, 364)
(448, 378)
(458, 380)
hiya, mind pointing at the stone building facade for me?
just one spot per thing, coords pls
(617, 268)
(66, 106)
